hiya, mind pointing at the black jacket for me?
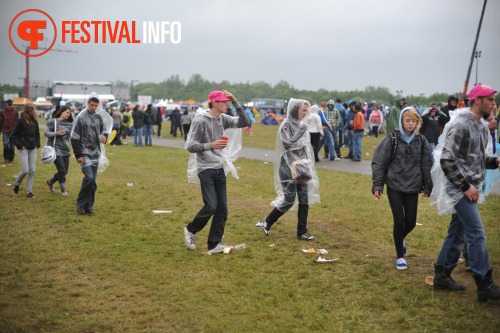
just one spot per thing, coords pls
(410, 169)
(24, 135)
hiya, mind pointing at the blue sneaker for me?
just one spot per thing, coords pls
(404, 247)
(401, 264)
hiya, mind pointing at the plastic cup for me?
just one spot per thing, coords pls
(225, 138)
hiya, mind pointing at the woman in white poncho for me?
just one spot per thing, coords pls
(295, 177)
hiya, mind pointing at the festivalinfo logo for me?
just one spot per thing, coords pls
(32, 27)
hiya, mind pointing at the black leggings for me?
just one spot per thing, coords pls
(404, 211)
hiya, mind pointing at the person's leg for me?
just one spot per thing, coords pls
(136, 139)
(139, 135)
(303, 210)
(410, 204)
(8, 147)
(220, 215)
(207, 184)
(62, 179)
(93, 189)
(322, 144)
(329, 143)
(341, 135)
(86, 188)
(146, 135)
(357, 146)
(336, 143)
(468, 214)
(60, 175)
(289, 193)
(159, 130)
(453, 243)
(375, 131)
(315, 137)
(398, 214)
(32, 156)
(350, 135)
(23, 159)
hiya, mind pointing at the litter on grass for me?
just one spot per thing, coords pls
(130, 184)
(429, 280)
(419, 224)
(155, 211)
(310, 250)
(323, 260)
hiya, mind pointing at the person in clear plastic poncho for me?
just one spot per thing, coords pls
(462, 157)
(295, 178)
(90, 132)
(212, 153)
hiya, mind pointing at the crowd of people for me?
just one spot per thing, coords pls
(442, 153)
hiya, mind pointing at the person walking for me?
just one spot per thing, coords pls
(88, 133)
(58, 132)
(26, 137)
(159, 121)
(295, 177)
(8, 117)
(402, 161)
(206, 140)
(463, 158)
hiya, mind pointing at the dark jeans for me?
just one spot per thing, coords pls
(8, 147)
(315, 137)
(159, 130)
(86, 196)
(186, 128)
(404, 211)
(62, 165)
(174, 129)
(375, 131)
(341, 135)
(214, 192)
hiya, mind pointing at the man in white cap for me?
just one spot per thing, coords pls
(463, 161)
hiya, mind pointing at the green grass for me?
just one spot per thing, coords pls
(127, 270)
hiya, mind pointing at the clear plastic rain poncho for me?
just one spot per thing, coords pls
(96, 155)
(293, 144)
(214, 158)
(444, 194)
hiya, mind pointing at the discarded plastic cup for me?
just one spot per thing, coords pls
(240, 246)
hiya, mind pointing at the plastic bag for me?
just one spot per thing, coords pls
(48, 154)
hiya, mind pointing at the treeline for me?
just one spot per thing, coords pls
(197, 88)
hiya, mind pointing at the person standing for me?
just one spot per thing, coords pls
(87, 135)
(393, 117)
(138, 117)
(327, 139)
(149, 118)
(375, 120)
(343, 115)
(58, 131)
(127, 122)
(313, 123)
(295, 178)
(207, 142)
(431, 127)
(403, 162)
(358, 128)
(451, 106)
(176, 122)
(159, 121)
(8, 117)
(335, 120)
(186, 123)
(463, 160)
(26, 137)
(349, 129)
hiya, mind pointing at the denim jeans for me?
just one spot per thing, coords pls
(328, 140)
(28, 166)
(214, 193)
(62, 165)
(138, 136)
(86, 196)
(350, 141)
(148, 135)
(465, 224)
(357, 144)
(336, 144)
(8, 147)
(340, 131)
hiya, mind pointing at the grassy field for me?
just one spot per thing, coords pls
(126, 269)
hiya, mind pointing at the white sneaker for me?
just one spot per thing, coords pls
(401, 264)
(260, 224)
(218, 249)
(190, 239)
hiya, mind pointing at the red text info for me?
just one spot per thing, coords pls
(121, 32)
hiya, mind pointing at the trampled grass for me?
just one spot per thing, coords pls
(127, 270)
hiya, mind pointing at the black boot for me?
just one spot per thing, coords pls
(443, 279)
(486, 288)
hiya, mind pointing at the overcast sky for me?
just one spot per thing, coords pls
(418, 46)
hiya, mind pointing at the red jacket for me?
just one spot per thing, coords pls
(7, 119)
(359, 122)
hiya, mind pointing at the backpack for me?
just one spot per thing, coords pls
(395, 141)
(125, 119)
